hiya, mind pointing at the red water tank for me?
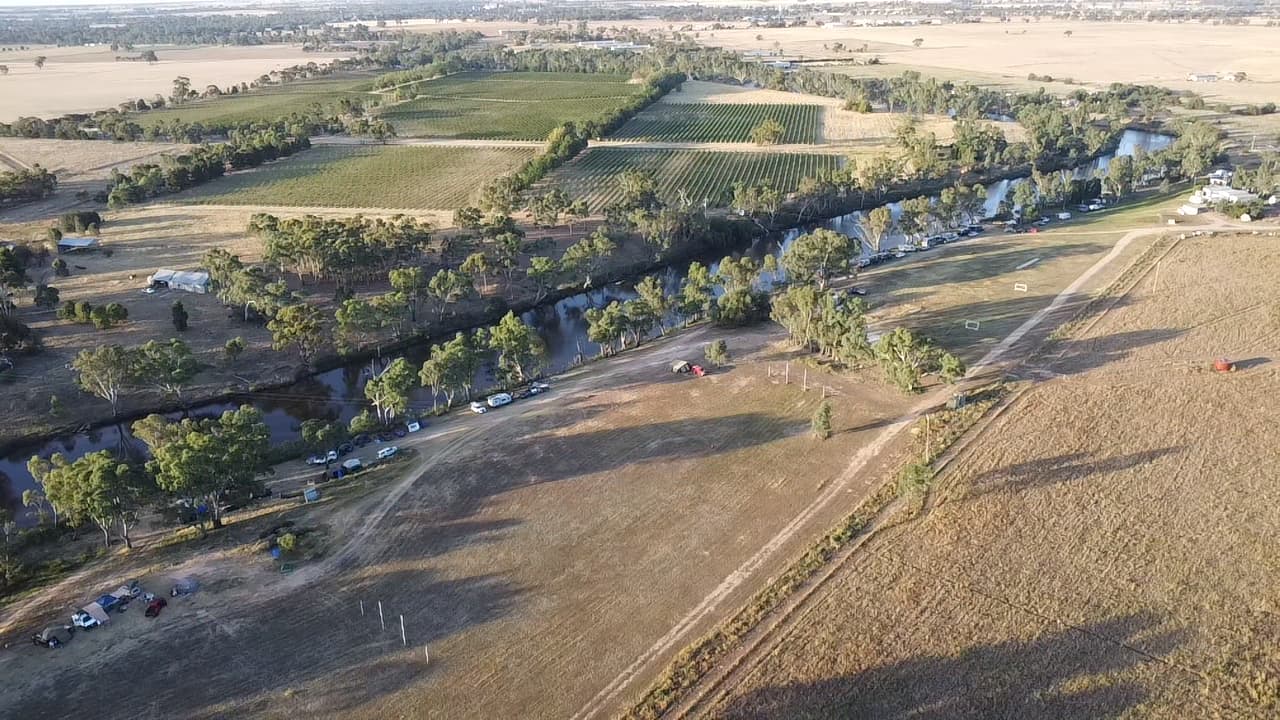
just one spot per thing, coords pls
(1223, 365)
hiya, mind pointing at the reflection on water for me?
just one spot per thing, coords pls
(339, 394)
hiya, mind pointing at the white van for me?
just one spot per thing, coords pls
(499, 400)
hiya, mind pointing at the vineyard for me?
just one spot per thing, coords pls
(721, 122)
(261, 105)
(391, 177)
(506, 106)
(697, 174)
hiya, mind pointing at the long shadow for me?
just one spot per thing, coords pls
(1067, 673)
(458, 488)
(1078, 356)
(977, 261)
(1044, 472)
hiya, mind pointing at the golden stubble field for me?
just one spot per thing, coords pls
(85, 79)
(1105, 548)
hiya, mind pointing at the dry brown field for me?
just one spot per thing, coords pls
(85, 79)
(536, 551)
(1099, 53)
(1103, 549)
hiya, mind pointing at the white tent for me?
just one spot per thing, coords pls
(195, 282)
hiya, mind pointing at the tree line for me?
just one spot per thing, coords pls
(26, 185)
(176, 173)
(198, 465)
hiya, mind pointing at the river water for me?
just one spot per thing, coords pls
(339, 394)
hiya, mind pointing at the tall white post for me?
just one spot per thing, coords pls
(380, 618)
(403, 641)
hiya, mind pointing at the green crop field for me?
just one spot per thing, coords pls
(713, 122)
(506, 106)
(699, 174)
(366, 176)
(265, 104)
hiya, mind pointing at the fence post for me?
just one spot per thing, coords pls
(380, 618)
(361, 608)
(403, 641)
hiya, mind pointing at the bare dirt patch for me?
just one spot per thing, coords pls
(1100, 551)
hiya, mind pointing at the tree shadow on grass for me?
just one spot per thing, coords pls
(1074, 357)
(1069, 673)
(1059, 469)
(461, 486)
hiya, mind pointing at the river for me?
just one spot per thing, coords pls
(339, 394)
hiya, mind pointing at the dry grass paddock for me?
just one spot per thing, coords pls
(84, 79)
(545, 550)
(1103, 550)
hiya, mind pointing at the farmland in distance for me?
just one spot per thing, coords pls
(391, 177)
(506, 106)
(263, 104)
(698, 174)
(721, 122)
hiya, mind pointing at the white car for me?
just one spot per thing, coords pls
(499, 400)
(323, 459)
(148, 291)
(387, 452)
(478, 407)
(84, 620)
(538, 387)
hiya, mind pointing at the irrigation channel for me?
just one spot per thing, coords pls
(339, 394)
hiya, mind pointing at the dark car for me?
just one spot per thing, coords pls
(399, 432)
(155, 606)
(345, 449)
(385, 437)
(361, 440)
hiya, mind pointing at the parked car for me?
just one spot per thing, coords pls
(361, 440)
(856, 291)
(53, 637)
(478, 407)
(155, 606)
(353, 465)
(697, 370)
(385, 437)
(324, 459)
(84, 620)
(681, 366)
(388, 452)
(537, 388)
(111, 602)
(499, 400)
(399, 432)
(345, 449)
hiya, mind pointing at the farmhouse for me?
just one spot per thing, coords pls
(193, 282)
(1220, 177)
(1202, 77)
(76, 244)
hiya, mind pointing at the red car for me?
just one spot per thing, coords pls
(698, 370)
(155, 606)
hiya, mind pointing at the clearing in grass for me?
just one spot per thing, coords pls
(506, 106)
(697, 175)
(721, 122)
(383, 176)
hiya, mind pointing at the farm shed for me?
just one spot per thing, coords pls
(73, 244)
(194, 282)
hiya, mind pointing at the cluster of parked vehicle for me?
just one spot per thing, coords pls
(98, 613)
(930, 242)
(359, 441)
(497, 400)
